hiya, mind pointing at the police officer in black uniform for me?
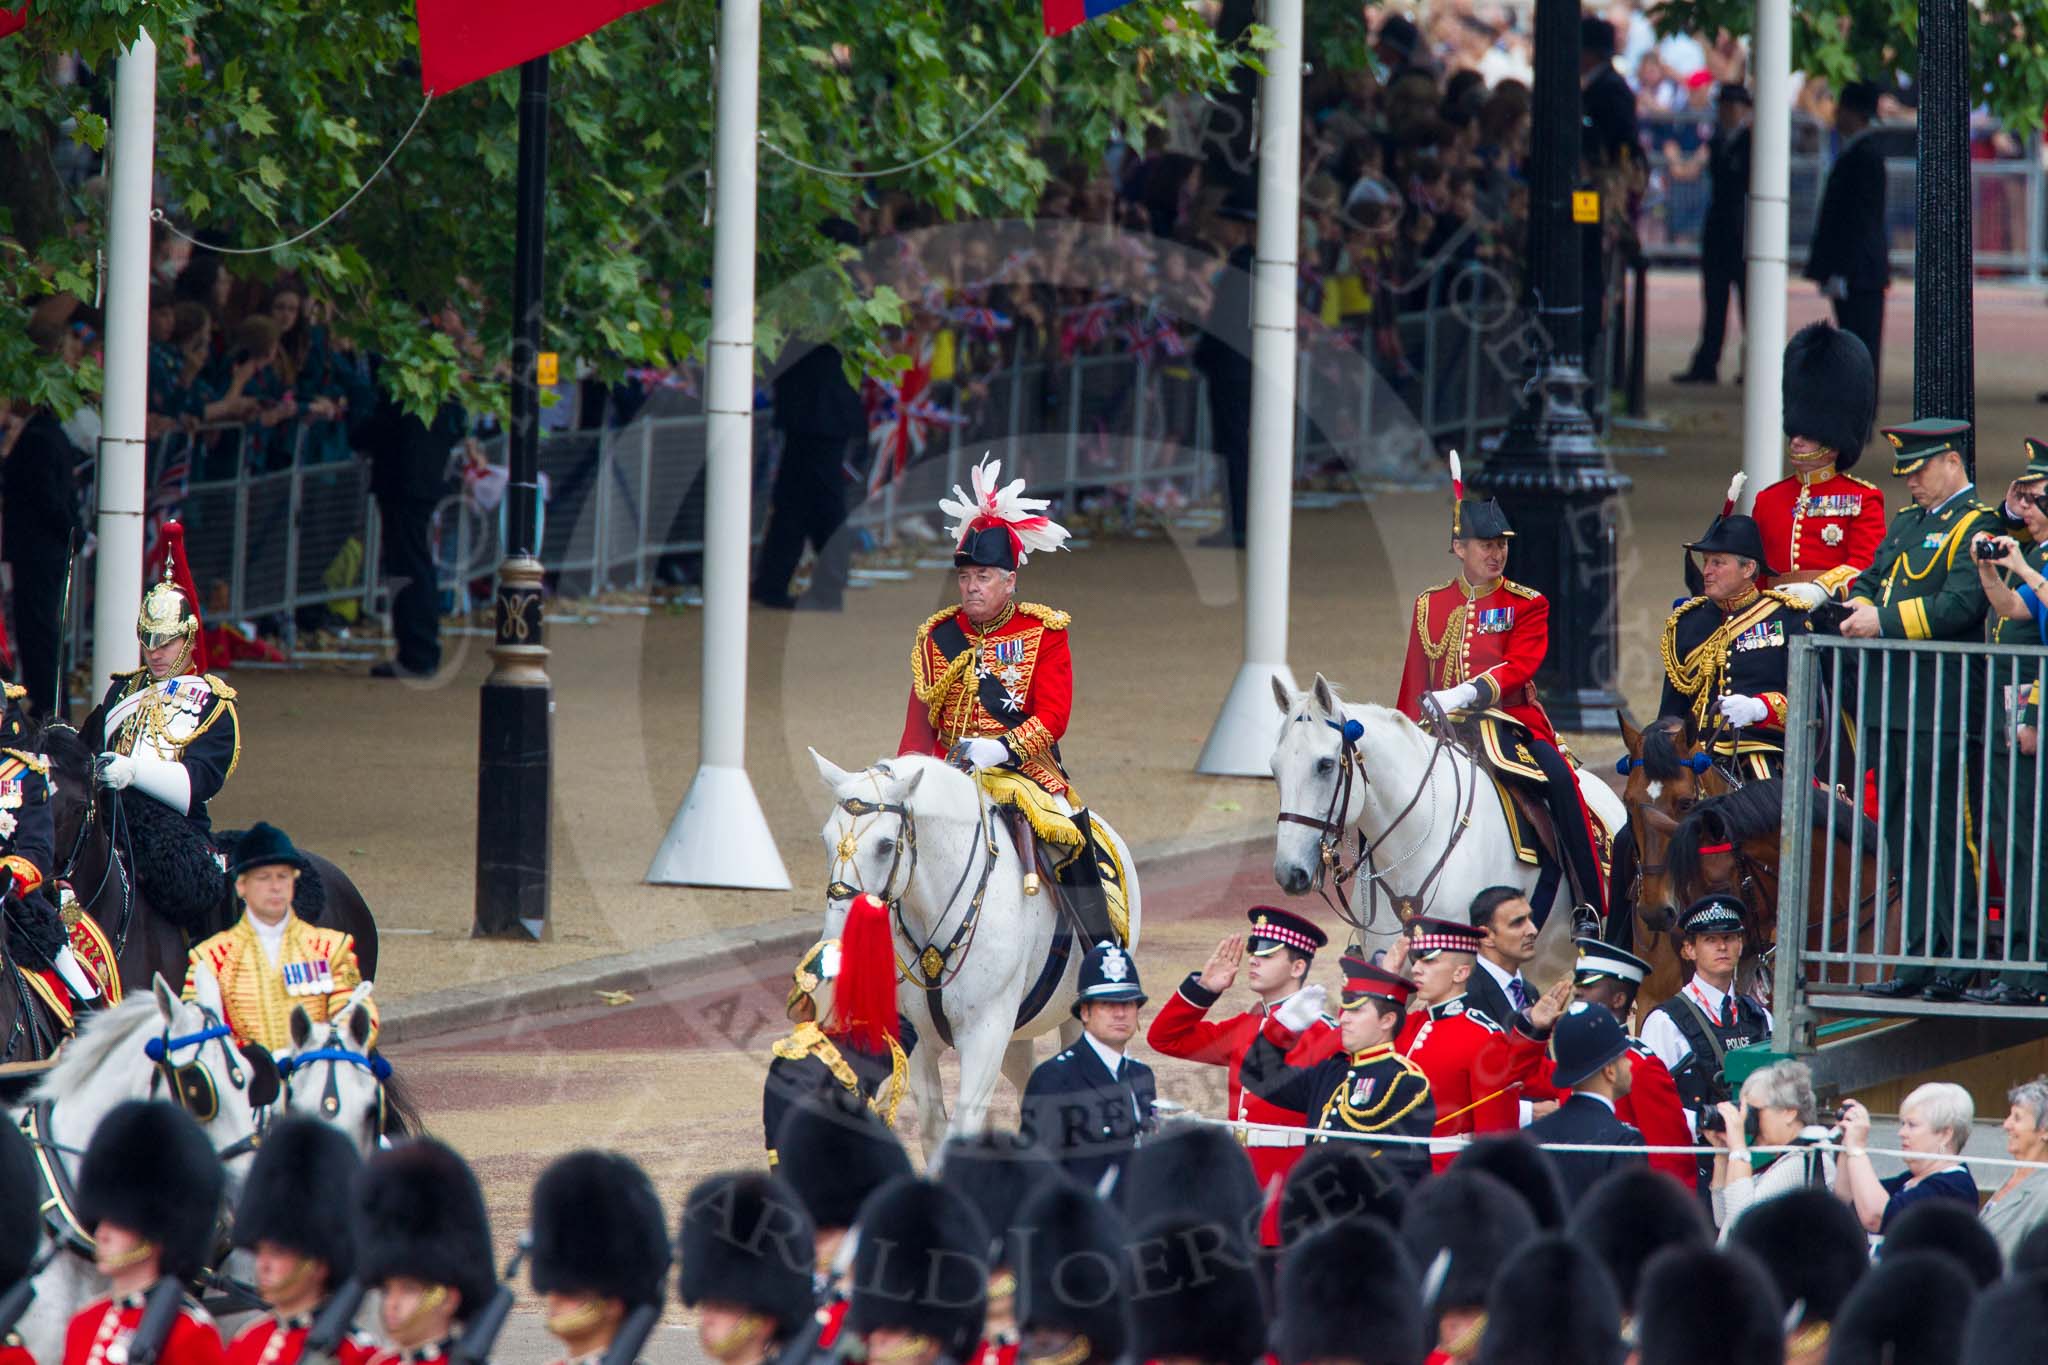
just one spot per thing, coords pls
(1693, 1031)
(1366, 1088)
(1592, 1052)
(1091, 1105)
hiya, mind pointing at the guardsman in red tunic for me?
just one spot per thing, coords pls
(1281, 948)
(294, 1214)
(1475, 1065)
(600, 1255)
(149, 1188)
(1072, 1292)
(992, 686)
(425, 1244)
(745, 1271)
(1822, 525)
(1474, 649)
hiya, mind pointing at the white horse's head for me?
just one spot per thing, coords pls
(871, 847)
(333, 1076)
(1309, 763)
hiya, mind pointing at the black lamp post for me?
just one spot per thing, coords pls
(1944, 353)
(1549, 472)
(514, 768)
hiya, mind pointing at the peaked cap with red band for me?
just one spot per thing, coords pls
(1363, 981)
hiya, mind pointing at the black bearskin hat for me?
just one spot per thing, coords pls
(1632, 1215)
(1952, 1228)
(1553, 1303)
(1335, 1180)
(996, 1172)
(1912, 1306)
(1698, 1306)
(1474, 1217)
(419, 1213)
(1524, 1168)
(920, 1266)
(1072, 1275)
(295, 1195)
(835, 1152)
(747, 1242)
(1830, 390)
(1195, 1170)
(2009, 1322)
(150, 1169)
(1812, 1246)
(1348, 1292)
(21, 1221)
(1195, 1293)
(598, 1229)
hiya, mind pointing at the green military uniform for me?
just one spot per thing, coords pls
(1924, 586)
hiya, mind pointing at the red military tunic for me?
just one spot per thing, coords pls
(1494, 636)
(12, 1352)
(988, 1352)
(423, 1355)
(99, 1334)
(1472, 1064)
(1651, 1104)
(1826, 522)
(271, 1340)
(1025, 649)
(1179, 1030)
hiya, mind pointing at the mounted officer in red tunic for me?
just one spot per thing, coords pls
(1473, 651)
(992, 686)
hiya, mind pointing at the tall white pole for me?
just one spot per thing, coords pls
(1241, 742)
(1765, 244)
(719, 837)
(124, 406)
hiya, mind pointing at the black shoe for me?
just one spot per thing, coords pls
(1895, 989)
(2001, 993)
(1943, 990)
(1695, 377)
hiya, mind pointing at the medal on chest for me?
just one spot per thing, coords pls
(1494, 621)
(311, 977)
(1762, 635)
(1361, 1091)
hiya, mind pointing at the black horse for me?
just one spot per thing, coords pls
(30, 1027)
(97, 834)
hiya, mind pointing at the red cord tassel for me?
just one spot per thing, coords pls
(864, 995)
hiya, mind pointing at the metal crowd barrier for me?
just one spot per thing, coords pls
(1948, 878)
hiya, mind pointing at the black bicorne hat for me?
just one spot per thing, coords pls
(296, 1195)
(598, 1229)
(1482, 519)
(1735, 534)
(150, 1169)
(746, 1241)
(1830, 390)
(990, 547)
(420, 1213)
(1349, 1292)
(921, 1265)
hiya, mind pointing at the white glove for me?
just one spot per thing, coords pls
(1740, 710)
(1459, 698)
(985, 753)
(1807, 595)
(1301, 1010)
(116, 770)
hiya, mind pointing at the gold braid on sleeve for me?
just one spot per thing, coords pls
(1031, 740)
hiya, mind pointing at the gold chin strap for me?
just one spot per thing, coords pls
(128, 1259)
(577, 1320)
(744, 1336)
(1073, 1353)
(429, 1304)
(292, 1283)
(1466, 1343)
(909, 1348)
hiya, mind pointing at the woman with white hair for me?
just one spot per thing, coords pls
(2022, 1201)
(1934, 1125)
(1776, 1109)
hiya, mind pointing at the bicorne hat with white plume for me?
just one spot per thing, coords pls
(998, 526)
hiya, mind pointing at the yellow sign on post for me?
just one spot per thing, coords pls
(549, 369)
(1585, 206)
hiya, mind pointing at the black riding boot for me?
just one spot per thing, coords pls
(1081, 888)
(1568, 818)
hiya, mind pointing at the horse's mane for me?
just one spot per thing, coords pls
(103, 1035)
(1742, 814)
(1662, 739)
(65, 748)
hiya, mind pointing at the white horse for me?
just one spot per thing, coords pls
(1427, 812)
(110, 1061)
(333, 1075)
(919, 835)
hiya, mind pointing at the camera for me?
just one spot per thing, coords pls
(1991, 547)
(1713, 1121)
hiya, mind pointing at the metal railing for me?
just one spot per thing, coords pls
(1960, 812)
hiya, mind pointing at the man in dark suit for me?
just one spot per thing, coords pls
(39, 504)
(1224, 355)
(1594, 1061)
(409, 476)
(1507, 921)
(1090, 1105)
(1850, 260)
(1721, 235)
(1610, 143)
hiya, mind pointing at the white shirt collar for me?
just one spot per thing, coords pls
(1602, 1098)
(1111, 1060)
(1704, 993)
(271, 936)
(1500, 974)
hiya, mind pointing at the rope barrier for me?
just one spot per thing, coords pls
(969, 131)
(157, 215)
(1464, 1140)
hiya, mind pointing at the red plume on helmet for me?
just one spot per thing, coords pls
(864, 993)
(171, 554)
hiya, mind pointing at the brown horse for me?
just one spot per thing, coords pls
(30, 1028)
(1666, 777)
(1732, 844)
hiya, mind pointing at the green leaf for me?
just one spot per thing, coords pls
(1116, 27)
(256, 121)
(270, 172)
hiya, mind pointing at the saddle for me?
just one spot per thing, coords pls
(1496, 746)
(1089, 882)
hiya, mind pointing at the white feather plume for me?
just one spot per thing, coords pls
(1735, 485)
(993, 501)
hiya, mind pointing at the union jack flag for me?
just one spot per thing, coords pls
(1086, 326)
(986, 323)
(1156, 337)
(902, 415)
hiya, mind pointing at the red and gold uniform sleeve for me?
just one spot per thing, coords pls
(1180, 1029)
(1414, 672)
(1523, 649)
(918, 735)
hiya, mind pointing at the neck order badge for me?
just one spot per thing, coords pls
(1061, 15)
(466, 40)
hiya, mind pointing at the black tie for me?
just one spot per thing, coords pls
(1728, 1011)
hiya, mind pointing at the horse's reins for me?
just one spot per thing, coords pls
(1330, 828)
(117, 834)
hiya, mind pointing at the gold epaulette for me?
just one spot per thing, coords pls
(1053, 618)
(932, 623)
(37, 762)
(120, 675)
(1519, 589)
(1683, 607)
(1864, 482)
(219, 688)
(808, 1040)
(15, 691)
(1782, 599)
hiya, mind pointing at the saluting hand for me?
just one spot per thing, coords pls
(1219, 973)
(1550, 1007)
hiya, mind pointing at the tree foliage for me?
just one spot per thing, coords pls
(272, 112)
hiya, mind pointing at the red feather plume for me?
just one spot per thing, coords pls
(172, 551)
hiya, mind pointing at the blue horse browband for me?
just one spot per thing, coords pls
(1699, 763)
(156, 1049)
(374, 1063)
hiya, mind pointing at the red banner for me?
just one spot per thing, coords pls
(466, 40)
(13, 20)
